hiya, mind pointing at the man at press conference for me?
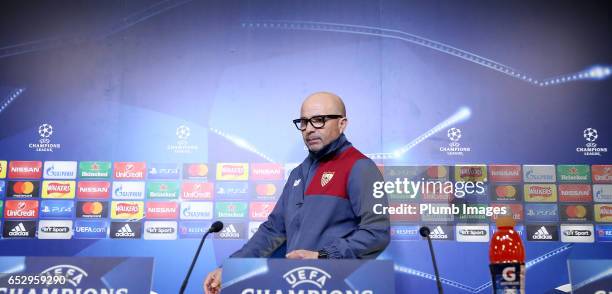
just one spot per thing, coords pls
(325, 209)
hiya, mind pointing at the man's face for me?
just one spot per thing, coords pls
(314, 138)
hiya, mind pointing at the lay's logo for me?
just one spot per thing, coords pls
(2, 169)
(58, 189)
(603, 213)
(471, 173)
(232, 171)
(127, 210)
(540, 192)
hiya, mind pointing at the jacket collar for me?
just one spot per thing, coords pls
(332, 148)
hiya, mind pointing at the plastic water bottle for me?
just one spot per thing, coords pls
(507, 258)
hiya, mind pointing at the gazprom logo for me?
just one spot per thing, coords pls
(306, 275)
(60, 169)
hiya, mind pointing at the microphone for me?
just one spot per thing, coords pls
(214, 228)
(424, 231)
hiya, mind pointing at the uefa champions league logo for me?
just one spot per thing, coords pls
(182, 146)
(591, 149)
(590, 134)
(454, 134)
(45, 131)
(454, 147)
(183, 132)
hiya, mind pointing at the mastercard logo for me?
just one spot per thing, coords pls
(198, 170)
(265, 189)
(23, 188)
(505, 191)
(92, 208)
(576, 211)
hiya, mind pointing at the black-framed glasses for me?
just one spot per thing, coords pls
(317, 121)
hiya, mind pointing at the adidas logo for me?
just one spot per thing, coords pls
(125, 231)
(542, 234)
(438, 233)
(230, 232)
(19, 231)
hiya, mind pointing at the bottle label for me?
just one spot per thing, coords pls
(508, 278)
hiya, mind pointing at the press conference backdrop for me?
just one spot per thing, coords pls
(128, 126)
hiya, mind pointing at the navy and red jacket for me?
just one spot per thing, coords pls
(326, 204)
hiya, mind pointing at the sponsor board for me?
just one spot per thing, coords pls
(507, 173)
(232, 189)
(266, 190)
(90, 229)
(574, 173)
(571, 233)
(21, 209)
(92, 209)
(519, 229)
(196, 210)
(129, 170)
(128, 190)
(602, 174)
(575, 193)
(3, 167)
(539, 174)
(93, 190)
(233, 231)
(193, 229)
(253, 227)
(58, 189)
(23, 189)
(162, 190)
(94, 169)
(603, 213)
(160, 230)
(470, 173)
(602, 193)
(162, 210)
(266, 172)
(126, 230)
(603, 233)
(540, 192)
(164, 171)
(19, 229)
(197, 191)
(514, 208)
(576, 212)
(55, 229)
(431, 216)
(536, 212)
(195, 171)
(472, 233)
(542, 232)
(57, 209)
(25, 170)
(231, 209)
(260, 210)
(506, 192)
(232, 171)
(405, 233)
(127, 210)
(66, 170)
